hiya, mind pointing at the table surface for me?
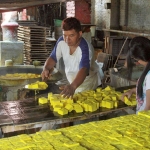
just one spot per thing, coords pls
(27, 113)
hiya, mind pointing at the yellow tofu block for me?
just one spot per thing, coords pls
(105, 94)
(50, 95)
(108, 88)
(85, 106)
(63, 100)
(144, 113)
(42, 85)
(70, 101)
(103, 103)
(97, 103)
(99, 99)
(57, 107)
(69, 107)
(53, 132)
(78, 108)
(53, 98)
(60, 104)
(134, 102)
(116, 104)
(37, 85)
(92, 107)
(97, 94)
(78, 148)
(63, 111)
(55, 102)
(119, 94)
(77, 96)
(71, 144)
(107, 98)
(99, 89)
(127, 101)
(109, 104)
(43, 100)
(90, 97)
(113, 97)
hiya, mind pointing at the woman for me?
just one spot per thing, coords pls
(139, 50)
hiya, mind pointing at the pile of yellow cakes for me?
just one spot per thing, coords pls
(88, 101)
(20, 76)
(37, 86)
(130, 132)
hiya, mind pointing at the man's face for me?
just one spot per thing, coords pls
(72, 37)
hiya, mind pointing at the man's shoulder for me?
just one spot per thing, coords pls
(84, 43)
(60, 42)
(60, 39)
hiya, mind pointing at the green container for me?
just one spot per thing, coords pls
(57, 22)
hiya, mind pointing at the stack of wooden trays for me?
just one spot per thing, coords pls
(36, 44)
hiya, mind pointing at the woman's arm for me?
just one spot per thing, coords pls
(128, 93)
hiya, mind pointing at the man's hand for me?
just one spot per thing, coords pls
(45, 74)
(67, 91)
(48, 68)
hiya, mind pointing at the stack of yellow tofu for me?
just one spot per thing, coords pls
(37, 86)
(20, 76)
(130, 132)
(130, 101)
(88, 101)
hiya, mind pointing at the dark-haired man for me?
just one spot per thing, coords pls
(78, 56)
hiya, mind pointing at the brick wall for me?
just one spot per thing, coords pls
(79, 9)
(83, 11)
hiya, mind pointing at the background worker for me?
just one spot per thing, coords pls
(78, 56)
(139, 50)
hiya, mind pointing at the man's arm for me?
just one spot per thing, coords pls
(48, 68)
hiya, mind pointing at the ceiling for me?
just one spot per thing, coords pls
(10, 5)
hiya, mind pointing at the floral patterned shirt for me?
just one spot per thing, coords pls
(141, 102)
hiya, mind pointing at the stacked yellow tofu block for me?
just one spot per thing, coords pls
(20, 76)
(37, 86)
(130, 101)
(88, 101)
(130, 132)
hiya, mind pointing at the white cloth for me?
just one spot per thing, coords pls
(87, 36)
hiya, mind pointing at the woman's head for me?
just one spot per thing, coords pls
(139, 48)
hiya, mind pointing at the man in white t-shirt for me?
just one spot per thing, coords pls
(78, 56)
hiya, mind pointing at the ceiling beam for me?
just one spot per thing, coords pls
(9, 5)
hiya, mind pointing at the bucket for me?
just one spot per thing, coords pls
(9, 30)
(58, 32)
(57, 22)
(93, 31)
